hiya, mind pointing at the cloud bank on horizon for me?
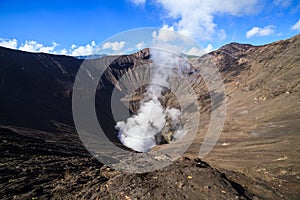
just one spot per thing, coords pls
(206, 21)
(164, 34)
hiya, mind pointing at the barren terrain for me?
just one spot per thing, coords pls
(256, 157)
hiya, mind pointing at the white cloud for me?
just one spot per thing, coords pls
(222, 34)
(63, 52)
(82, 50)
(257, 31)
(209, 48)
(198, 52)
(252, 32)
(283, 3)
(138, 2)
(140, 45)
(31, 46)
(296, 26)
(34, 46)
(195, 18)
(12, 44)
(115, 46)
(195, 51)
(165, 34)
(49, 49)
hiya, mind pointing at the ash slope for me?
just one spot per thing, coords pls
(42, 156)
(41, 164)
(261, 133)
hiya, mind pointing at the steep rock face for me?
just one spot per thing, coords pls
(35, 88)
(143, 54)
(227, 58)
(262, 111)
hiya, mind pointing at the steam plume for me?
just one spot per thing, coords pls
(139, 131)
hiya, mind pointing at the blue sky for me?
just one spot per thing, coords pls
(78, 27)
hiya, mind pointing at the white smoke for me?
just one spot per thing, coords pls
(174, 114)
(139, 131)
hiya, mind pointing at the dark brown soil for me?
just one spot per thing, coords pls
(45, 165)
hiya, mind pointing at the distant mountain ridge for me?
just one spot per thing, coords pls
(93, 56)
